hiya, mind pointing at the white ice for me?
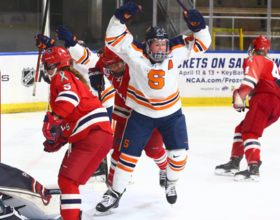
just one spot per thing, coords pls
(202, 195)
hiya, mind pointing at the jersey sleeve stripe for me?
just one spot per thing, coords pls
(108, 90)
(68, 96)
(108, 97)
(201, 44)
(135, 47)
(96, 116)
(115, 40)
(195, 48)
(198, 46)
(87, 57)
(83, 57)
(249, 81)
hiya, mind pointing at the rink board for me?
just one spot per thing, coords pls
(207, 80)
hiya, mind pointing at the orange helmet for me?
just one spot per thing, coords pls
(55, 57)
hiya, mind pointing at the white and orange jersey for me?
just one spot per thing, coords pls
(85, 59)
(153, 88)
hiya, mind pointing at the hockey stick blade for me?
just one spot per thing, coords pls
(182, 5)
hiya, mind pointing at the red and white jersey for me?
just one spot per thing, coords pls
(78, 107)
(121, 111)
(260, 74)
(85, 59)
(153, 88)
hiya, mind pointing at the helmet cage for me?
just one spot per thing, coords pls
(157, 56)
(111, 72)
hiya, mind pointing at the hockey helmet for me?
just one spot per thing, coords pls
(109, 58)
(260, 43)
(56, 57)
(152, 34)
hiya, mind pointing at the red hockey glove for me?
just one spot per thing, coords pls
(51, 128)
(54, 147)
(237, 103)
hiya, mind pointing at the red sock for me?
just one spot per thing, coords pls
(251, 147)
(70, 198)
(237, 146)
(114, 160)
(160, 158)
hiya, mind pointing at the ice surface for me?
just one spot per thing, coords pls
(201, 194)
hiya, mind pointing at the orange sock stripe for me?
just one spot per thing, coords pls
(177, 163)
(124, 168)
(128, 159)
(176, 169)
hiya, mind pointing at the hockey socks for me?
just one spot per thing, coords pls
(114, 160)
(160, 158)
(237, 146)
(123, 172)
(252, 148)
(70, 198)
(177, 160)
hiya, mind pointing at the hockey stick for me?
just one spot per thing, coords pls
(40, 49)
(182, 5)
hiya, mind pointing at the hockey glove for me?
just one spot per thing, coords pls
(51, 128)
(64, 34)
(127, 11)
(54, 147)
(237, 103)
(194, 20)
(96, 79)
(44, 42)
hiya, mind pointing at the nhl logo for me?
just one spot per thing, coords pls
(28, 77)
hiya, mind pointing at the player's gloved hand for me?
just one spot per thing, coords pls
(54, 147)
(237, 103)
(96, 79)
(194, 20)
(127, 11)
(44, 42)
(65, 35)
(51, 128)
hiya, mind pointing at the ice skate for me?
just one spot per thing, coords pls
(110, 200)
(251, 174)
(100, 173)
(162, 178)
(230, 168)
(170, 191)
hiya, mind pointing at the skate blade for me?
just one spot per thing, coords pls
(99, 186)
(101, 178)
(240, 178)
(100, 214)
(222, 172)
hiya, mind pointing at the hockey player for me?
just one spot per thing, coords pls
(83, 59)
(260, 76)
(153, 94)
(78, 118)
(117, 71)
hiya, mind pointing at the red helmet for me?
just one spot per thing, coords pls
(56, 57)
(260, 43)
(109, 57)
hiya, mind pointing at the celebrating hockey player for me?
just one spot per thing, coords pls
(153, 95)
(117, 71)
(260, 76)
(78, 118)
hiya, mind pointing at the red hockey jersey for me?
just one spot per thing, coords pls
(79, 108)
(260, 73)
(121, 111)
